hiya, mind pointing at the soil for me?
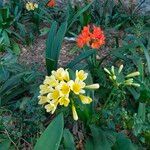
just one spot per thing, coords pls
(33, 56)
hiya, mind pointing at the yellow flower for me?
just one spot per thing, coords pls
(77, 86)
(64, 101)
(81, 75)
(92, 86)
(31, 6)
(44, 89)
(50, 107)
(51, 81)
(57, 89)
(65, 88)
(54, 95)
(61, 74)
(74, 112)
(43, 99)
(133, 74)
(85, 99)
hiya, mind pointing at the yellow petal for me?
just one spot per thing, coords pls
(43, 99)
(65, 88)
(74, 113)
(50, 107)
(81, 75)
(85, 99)
(77, 86)
(64, 101)
(54, 95)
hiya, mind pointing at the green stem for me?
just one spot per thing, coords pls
(108, 99)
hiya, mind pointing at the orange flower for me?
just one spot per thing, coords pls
(84, 37)
(93, 37)
(51, 3)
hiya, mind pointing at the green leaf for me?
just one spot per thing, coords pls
(68, 140)
(4, 145)
(99, 138)
(123, 143)
(16, 48)
(53, 45)
(81, 57)
(142, 111)
(78, 14)
(51, 138)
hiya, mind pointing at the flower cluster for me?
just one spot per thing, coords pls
(51, 3)
(59, 89)
(91, 36)
(127, 81)
(31, 6)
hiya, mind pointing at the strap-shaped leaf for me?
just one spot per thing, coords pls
(75, 17)
(53, 45)
(51, 138)
(81, 57)
(68, 140)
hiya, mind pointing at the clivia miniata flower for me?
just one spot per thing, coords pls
(59, 89)
(51, 3)
(91, 36)
(31, 6)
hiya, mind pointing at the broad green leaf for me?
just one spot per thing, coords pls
(51, 138)
(68, 140)
(99, 138)
(4, 145)
(123, 143)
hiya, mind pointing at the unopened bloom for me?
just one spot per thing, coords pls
(120, 68)
(59, 89)
(91, 36)
(114, 77)
(92, 86)
(134, 74)
(74, 112)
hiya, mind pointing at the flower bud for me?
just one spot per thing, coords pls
(120, 68)
(133, 74)
(92, 86)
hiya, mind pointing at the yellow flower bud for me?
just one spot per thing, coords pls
(133, 74)
(129, 81)
(113, 70)
(74, 113)
(135, 84)
(120, 68)
(92, 86)
(106, 70)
